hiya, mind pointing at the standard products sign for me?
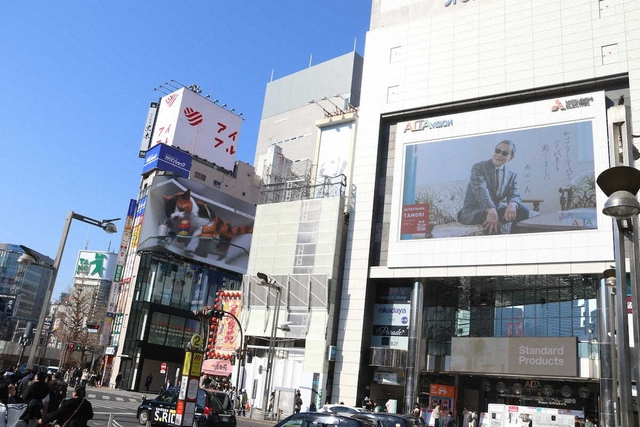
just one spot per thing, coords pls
(541, 356)
(518, 356)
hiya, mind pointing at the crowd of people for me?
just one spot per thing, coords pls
(84, 377)
(45, 397)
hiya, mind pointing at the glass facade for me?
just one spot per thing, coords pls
(509, 306)
(166, 293)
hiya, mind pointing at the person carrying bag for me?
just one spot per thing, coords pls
(74, 412)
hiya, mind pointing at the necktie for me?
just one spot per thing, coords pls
(497, 180)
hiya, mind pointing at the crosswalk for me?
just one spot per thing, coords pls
(113, 398)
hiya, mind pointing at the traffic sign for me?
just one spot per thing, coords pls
(196, 341)
(163, 368)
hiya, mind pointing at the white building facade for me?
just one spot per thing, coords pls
(444, 83)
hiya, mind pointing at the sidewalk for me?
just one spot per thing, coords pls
(257, 416)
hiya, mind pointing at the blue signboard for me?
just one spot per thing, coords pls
(167, 158)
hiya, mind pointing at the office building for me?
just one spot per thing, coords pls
(185, 237)
(22, 291)
(441, 301)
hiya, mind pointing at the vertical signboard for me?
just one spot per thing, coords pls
(189, 385)
(148, 129)
(391, 318)
(117, 277)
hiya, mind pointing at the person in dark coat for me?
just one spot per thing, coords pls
(75, 412)
(36, 395)
(492, 197)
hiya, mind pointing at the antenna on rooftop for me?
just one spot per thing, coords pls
(174, 81)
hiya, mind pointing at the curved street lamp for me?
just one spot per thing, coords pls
(30, 258)
(621, 184)
(264, 280)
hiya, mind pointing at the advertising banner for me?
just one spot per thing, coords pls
(166, 158)
(527, 168)
(508, 171)
(198, 222)
(95, 265)
(199, 126)
(228, 337)
(536, 356)
(334, 153)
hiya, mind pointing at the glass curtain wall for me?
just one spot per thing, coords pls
(510, 306)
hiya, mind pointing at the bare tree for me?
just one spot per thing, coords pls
(74, 314)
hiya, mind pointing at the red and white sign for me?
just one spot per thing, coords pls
(228, 339)
(193, 123)
(163, 368)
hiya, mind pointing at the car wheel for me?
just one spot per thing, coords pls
(143, 417)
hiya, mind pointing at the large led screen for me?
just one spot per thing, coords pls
(517, 170)
(198, 222)
(501, 180)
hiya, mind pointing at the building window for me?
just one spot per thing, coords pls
(200, 176)
(217, 184)
(509, 306)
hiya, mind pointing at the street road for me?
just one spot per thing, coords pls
(122, 406)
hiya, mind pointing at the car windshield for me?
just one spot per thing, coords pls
(167, 396)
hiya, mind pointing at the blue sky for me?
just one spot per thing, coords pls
(76, 79)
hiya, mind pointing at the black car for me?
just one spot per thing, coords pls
(386, 419)
(320, 419)
(209, 410)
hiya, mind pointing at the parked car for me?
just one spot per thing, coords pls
(387, 419)
(309, 419)
(335, 408)
(209, 411)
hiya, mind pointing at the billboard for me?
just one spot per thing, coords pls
(193, 123)
(334, 156)
(166, 158)
(95, 265)
(535, 356)
(505, 171)
(198, 222)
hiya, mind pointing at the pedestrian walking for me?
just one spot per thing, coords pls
(297, 402)
(148, 381)
(74, 412)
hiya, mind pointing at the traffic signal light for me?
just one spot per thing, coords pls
(249, 356)
(218, 314)
(209, 311)
(78, 347)
(72, 347)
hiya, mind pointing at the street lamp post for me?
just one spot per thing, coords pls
(30, 258)
(270, 284)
